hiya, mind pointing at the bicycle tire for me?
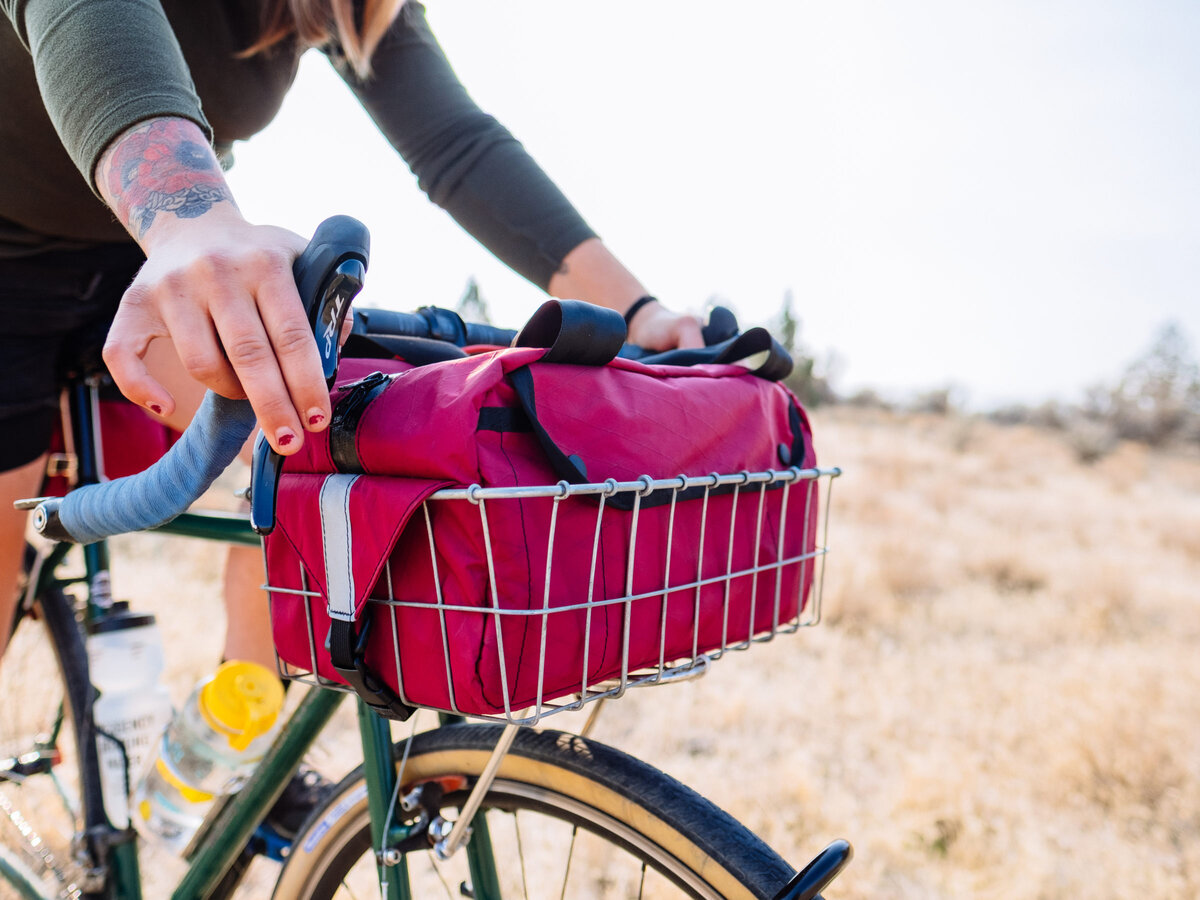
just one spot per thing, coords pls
(43, 681)
(696, 848)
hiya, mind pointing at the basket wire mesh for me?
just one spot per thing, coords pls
(744, 487)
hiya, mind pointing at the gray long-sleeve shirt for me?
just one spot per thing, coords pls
(74, 75)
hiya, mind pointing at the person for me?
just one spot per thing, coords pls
(117, 120)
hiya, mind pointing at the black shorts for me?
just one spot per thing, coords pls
(56, 309)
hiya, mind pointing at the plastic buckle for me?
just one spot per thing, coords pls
(444, 324)
(62, 465)
(347, 653)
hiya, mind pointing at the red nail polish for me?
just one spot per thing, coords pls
(285, 439)
(156, 409)
(316, 419)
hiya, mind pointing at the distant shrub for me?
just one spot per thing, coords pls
(1013, 414)
(938, 402)
(1091, 439)
(1050, 414)
(1157, 400)
(867, 398)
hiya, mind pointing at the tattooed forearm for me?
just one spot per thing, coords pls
(160, 166)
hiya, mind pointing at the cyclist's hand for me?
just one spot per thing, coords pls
(222, 290)
(656, 327)
(219, 288)
(590, 272)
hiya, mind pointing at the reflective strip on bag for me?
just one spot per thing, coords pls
(336, 541)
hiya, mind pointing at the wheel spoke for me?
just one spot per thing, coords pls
(570, 856)
(41, 799)
(437, 870)
(521, 855)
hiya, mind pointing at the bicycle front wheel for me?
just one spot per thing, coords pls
(566, 817)
(49, 776)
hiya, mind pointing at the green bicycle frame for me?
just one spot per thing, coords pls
(227, 831)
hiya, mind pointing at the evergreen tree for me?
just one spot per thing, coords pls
(811, 388)
(471, 305)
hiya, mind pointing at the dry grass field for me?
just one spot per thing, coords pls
(1003, 699)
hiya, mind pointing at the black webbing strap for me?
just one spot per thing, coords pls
(775, 363)
(574, 332)
(347, 652)
(347, 413)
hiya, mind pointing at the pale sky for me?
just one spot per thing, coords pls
(995, 195)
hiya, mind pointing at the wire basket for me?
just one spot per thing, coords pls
(638, 634)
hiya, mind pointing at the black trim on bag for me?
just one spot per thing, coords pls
(347, 414)
(503, 419)
(799, 450)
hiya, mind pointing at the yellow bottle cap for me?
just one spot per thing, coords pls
(242, 701)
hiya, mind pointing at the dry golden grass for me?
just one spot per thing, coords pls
(1003, 699)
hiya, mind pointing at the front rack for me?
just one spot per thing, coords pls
(755, 595)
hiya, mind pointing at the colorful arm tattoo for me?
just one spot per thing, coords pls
(163, 165)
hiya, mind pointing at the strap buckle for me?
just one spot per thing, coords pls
(347, 652)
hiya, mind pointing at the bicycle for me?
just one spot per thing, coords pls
(440, 794)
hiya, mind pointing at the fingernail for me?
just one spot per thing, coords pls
(284, 436)
(315, 416)
(155, 408)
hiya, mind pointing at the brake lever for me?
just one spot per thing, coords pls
(329, 313)
(329, 274)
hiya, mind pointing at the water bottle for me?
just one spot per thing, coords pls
(209, 749)
(125, 660)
